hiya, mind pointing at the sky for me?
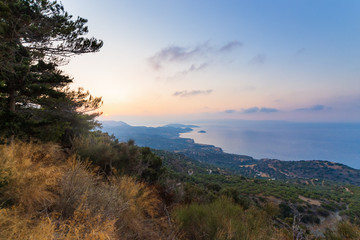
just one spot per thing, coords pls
(179, 60)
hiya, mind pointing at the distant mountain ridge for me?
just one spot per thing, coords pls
(167, 138)
(114, 124)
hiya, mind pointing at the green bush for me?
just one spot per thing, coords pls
(322, 212)
(122, 158)
(223, 219)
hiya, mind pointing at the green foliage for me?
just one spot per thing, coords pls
(154, 165)
(310, 219)
(44, 28)
(213, 186)
(234, 194)
(35, 101)
(119, 158)
(195, 193)
(322, 212)
(222, 219)
(332, 196)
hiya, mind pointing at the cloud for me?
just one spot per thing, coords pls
(251, 110)
(314, 108)
(268, 110)
(231, 46)
(192, 93)
(258, 59)
(191, 69)
(229, 111)
(194, 68)
(300, 51)
(177, 54)
(259, 110)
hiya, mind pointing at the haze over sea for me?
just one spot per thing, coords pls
(338, 142)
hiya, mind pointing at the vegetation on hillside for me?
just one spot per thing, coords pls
(167, 138)
(330, 197)
(46, 193)
(60, 178)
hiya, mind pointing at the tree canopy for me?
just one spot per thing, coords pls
(35, 99)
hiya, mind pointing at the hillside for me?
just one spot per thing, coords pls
(63, 178)
(167, 138)
(319, 204)
(49, 193)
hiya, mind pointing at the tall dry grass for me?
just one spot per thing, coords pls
(30, 174)
(47, 195)
(14, 224)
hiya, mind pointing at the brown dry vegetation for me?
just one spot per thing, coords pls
(46, 195)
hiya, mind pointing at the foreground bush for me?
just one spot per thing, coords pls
(223, 219)
(121, 158)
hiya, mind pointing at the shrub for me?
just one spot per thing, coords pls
(310, 219)
(222, 219)
(122, 158)
(322, 212)
(285, 210)
(234, 194)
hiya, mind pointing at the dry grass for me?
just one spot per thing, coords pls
(31, 174)
(132, 206)
(84, 225)
(140, 220)
(46, 196)
(15, 225)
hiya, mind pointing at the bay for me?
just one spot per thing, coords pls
(337, 142)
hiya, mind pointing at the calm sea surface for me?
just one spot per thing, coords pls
(338, 142)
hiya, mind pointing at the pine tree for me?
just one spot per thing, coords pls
(35, 37)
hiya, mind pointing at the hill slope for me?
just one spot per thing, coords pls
(167, 138)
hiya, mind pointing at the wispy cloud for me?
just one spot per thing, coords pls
(314, 108)
(177, 54)
(231, 46)
(192, 93)
(258, 59)
(268, 110)
(259, 110)
(191, 69)
(229, 111)
(194, 68)
(251, 110)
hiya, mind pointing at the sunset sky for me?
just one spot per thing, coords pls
(175, 60)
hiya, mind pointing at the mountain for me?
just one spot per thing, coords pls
(111, 124)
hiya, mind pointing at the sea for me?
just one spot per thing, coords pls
(336, 142)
